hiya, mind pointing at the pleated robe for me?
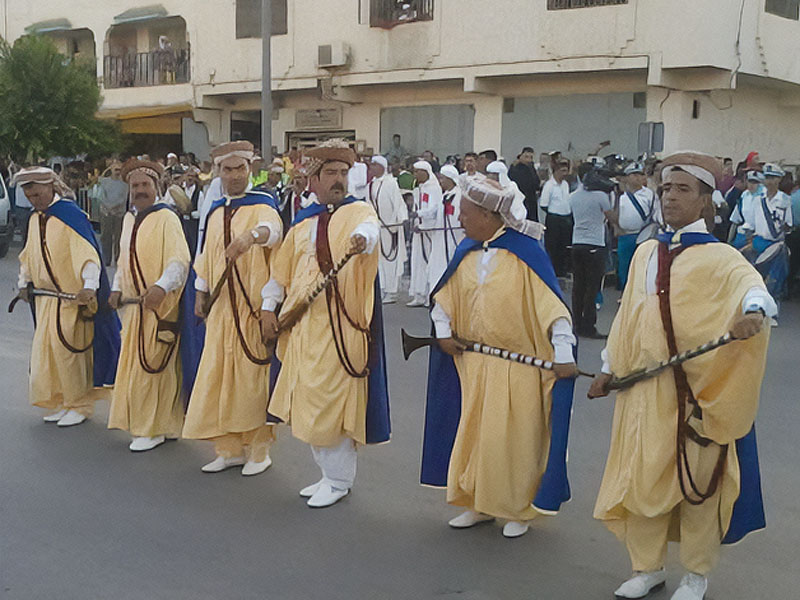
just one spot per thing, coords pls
(230, 391)
(149, 404)
(708, 285)
(60, 379)
(313, 392)
(503, 438)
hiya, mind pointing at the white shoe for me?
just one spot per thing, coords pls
(310, 490)
(326, 495)
(252, 467)
(468, 519)
(56, 416)
(71, 418)
(693, 587)
(143, 444)
(641, 584)
(514, 529)
(221, 463)
(389, 298)
(416, 301)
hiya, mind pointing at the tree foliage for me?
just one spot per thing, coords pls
(48, 104)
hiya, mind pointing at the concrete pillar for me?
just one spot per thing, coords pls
(488, 131)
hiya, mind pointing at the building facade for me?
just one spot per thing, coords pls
(450, 76)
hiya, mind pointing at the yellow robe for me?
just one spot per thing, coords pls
(503, 438)
(708, 285)
(149, 404)
(230, 392)
(60, 379)
(314, 393)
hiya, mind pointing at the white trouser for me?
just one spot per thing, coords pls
(338, 463)
(390, 272)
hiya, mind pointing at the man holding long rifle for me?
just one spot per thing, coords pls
(229, 399)
(152, 268)
(496, 430)
(76, 342)
(683, 464)
(332, 386)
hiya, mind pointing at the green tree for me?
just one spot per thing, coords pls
(48, 104)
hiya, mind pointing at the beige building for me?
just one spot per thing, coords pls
(447, 75)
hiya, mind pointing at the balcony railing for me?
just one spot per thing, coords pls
(562, 4)
(388, 13)
(157, 67)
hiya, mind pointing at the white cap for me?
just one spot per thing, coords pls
(380, 160)
(450, 172)
(773, 170)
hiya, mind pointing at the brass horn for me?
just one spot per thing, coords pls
(413, 343)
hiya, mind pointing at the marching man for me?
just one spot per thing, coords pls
(229, 400)
(683, 464)
(332, 387)
(428, 206)
(386, 199)
(76, 340)
(496, 430)
(152, 269)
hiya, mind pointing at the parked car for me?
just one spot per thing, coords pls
(6, 219)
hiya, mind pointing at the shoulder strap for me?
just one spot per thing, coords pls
(639, 209)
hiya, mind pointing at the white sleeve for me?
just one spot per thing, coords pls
(91, 275)
(544, 201)
(173, 276)
(201, 285)
(116, 285)
(606, 368)
(370, 231)
(758, 298)
(441, 322)
(563, 340)
(271, 295)
(24, 277)
(274, 234)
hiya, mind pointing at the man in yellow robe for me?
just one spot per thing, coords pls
(500, 289)
(75, 347)
(700, 487)
(152, 268)
(332, 380)
(228, 403)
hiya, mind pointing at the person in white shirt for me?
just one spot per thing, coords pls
(742, 216)
(385, 197)
(427, 209)
(557, 218)
(357, 180)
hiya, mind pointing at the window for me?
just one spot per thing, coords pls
(789, 9)
(562, 4)
(248, 18)
(388, 13)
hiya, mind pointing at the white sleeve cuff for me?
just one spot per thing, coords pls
(24, 278)
(91, 276)
(271, 295)
(274, 234)
(116, 285)
(758, 298)
(441, 322)
(201, 285)
(606, 368)
(173, 276)
(563, 340)
(370, 231)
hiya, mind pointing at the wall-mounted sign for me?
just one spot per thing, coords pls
(318, 118)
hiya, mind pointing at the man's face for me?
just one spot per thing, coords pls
(752, 186)
(446, 183)
(681, 200)
(300, 182)
(116, 172)
(234, 172)
(421, 175)
(482, 163)
(727, 167)
(772, 184)
(427, 156)
(470, 164)
(526, 158)
(376, 170)
(40, 195)
(560, 173)
(478, 223)
(636, 181)
(143, 190)
(192, 179)
(330, 184)
(274, 178)
(396, 140)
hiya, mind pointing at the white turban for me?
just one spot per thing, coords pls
(450, 172)
(380, 160)
(499, 169)
(424, 165)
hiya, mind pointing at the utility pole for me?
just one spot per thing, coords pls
(266, 80)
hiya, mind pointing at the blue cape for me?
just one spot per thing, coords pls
(193, 329)
(378, 426)
(443, 406)
(105, 347)
(748, 511)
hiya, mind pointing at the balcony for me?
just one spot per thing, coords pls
(141, 69)
(390, 13)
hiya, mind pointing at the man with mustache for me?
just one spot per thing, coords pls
(228, 404)
(332, 387)
(153, 265)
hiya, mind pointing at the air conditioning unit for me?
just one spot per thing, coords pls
(335, 54)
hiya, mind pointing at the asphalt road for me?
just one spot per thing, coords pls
(81, 517)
